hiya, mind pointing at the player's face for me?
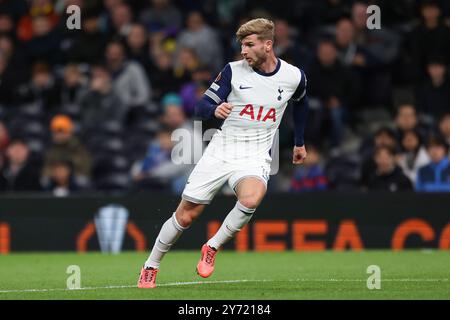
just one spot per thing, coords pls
(254, 50)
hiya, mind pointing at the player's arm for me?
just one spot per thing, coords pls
(213, 103)
(300, 113)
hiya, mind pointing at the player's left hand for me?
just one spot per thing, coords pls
(299, 155)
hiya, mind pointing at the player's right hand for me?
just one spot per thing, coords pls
(223, 110)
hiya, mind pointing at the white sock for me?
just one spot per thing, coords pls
(238, 217)
(169, 234)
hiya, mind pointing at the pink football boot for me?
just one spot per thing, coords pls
(147, 279)
(205, 266)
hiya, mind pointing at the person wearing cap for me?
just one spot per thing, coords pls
(173, 114)
(67, 147)
(435, 177)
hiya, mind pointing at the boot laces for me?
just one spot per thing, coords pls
(210, 255)
(149, 275)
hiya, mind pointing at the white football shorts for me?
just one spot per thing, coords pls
(210, 174)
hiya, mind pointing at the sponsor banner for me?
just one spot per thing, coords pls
(305, 222)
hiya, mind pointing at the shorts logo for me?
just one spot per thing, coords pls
(242, 87)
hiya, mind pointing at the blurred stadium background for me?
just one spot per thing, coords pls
(92, 109)
(86, 115)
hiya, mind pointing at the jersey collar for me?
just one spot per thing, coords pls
(269, 73)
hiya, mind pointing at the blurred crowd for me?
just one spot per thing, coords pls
(94, 109)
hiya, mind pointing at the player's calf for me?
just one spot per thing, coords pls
(238, 217)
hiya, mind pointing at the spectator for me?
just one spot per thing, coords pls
(434, 94)
(186, 64)
(387, 176)
(203, 40)
(381, 45)
(163, 79)
(383, 137)
(431, 38)
(122, 19)
(435, 177)
(14, 69)
(332, 90)
(192, 92)
(101, 103)
(173, 115)
(62, 182)
(7, 25)
(66, 147)
(44, 45)
(42, 89)
(444, 128)
(74, 86)
(311, 176)
(158, 155)
(129, 79)
(26, 28)
(89, 44)
(159, 170)
(106, 15)
(286, 47)
(161, 16)
(169, 102)
(413, 155)
(349, 52)
(138, 47)
(406, 120)
(173, 118)
(4, 142)
(19, 174)
(379, 50)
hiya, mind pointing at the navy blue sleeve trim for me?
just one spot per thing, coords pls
(205, 108)
(215, 94)
(300, 111)
(301, 88)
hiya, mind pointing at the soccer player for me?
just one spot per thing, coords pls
(251, 96)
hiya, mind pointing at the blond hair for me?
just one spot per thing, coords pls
(263, 28)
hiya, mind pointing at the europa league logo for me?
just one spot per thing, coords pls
(110, 223)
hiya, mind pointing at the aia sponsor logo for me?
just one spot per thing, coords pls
(259, 114)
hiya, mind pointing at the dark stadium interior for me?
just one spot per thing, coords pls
(93, 109)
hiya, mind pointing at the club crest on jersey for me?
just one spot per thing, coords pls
(249, 111)
(280, 92)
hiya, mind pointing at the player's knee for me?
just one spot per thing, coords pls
(184, 219)
(185, 216)
(250, 202)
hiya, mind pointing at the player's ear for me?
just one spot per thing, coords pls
(269, 44)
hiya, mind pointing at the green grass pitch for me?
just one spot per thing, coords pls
(408, 274)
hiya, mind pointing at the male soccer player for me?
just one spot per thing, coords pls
(251, 96)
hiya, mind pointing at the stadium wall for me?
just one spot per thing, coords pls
(305, 222)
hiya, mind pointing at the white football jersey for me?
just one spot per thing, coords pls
(259, 101)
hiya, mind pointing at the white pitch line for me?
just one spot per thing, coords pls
(173, 284)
